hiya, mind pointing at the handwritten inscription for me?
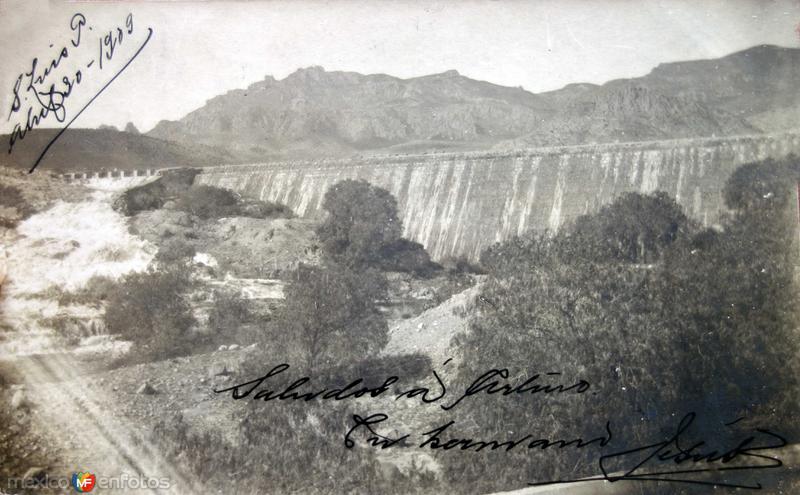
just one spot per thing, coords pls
(42, 91)
(488, 384)
(672, 459)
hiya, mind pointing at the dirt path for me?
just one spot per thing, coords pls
(78, 416)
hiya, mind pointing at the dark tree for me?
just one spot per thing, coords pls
(208, 201)
(635, 228)
(361, 220)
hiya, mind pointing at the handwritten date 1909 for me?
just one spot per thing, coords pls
(42, 91)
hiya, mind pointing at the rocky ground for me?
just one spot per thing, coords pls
(244, 247)
(102, 420)
(431, 331)
(74, 405)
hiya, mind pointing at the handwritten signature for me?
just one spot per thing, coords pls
(42, 91)
(673, 459)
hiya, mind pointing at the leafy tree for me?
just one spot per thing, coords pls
(635, 228)
(175, 250)
(741, 282)
(331, 316)
(407, 256)
(765, 184)
(361, 220)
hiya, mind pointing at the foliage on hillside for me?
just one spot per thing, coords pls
(363, 228)
(291, 448)
(662, 317)
(154, 195)
(330, 317)
(206, 202)
(152, 310)
(13, 206)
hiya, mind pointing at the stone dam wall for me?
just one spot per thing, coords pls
(460, 203)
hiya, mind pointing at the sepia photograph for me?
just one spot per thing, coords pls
(484, 247)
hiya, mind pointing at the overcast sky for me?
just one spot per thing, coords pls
(202, 49)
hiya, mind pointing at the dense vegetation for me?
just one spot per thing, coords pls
(11, 198)
(291, 448)
(209, 202)
(661, 316)
(362, 228)
(152, 310)
(331, 315)
(331, 329)
(154, 195)
(206, 202)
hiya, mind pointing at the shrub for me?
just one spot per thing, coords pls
(331, 316)
(407, 256)
(232, 318)
(362, 229)
(154, 195)
(150, 196)
(263, 209)
(12, 198)
(307, 435)
(761, 184)
(175, 250)
(150, 309)
(459, 265)
(23, 444)
(208, 202)
(635, 228)
(93, 292)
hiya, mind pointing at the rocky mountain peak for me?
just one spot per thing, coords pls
(314, 112)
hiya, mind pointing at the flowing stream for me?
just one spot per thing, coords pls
(59, 250)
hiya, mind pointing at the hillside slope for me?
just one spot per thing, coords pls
(317, 113)
(105, 149)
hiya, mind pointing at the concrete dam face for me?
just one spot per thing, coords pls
(461, 203)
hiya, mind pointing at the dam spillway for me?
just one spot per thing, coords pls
(460, 203)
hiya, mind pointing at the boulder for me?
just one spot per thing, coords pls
(220, 369)
(18, 400)
(146, 389)
(35, 473)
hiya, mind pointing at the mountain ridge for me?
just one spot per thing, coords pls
(313, 112)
